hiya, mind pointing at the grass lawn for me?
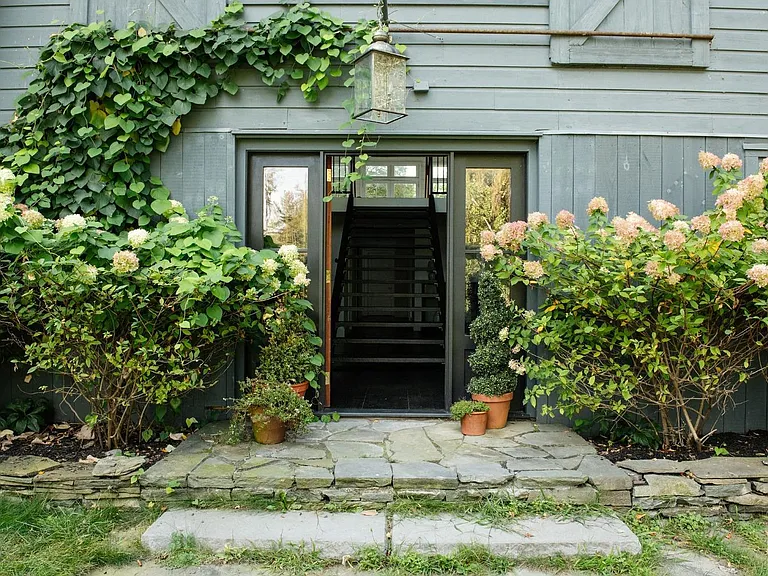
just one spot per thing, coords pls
(41, 539)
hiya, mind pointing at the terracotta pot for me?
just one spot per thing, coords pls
(301, 389)
(267, 430)
(497, 415)
(474, 424)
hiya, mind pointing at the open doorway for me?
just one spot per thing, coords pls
(388, 309)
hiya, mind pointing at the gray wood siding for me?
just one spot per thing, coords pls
(629, 171)
(479, 83)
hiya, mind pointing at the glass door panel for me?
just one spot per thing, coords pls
(488, 191)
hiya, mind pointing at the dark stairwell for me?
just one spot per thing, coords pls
(389, 311)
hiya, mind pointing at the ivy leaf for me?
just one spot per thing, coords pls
(93, 152)
(161, 206)
(120, 167)
(141, 43)
(215, 313)
(111, 122)
(176, 127)
(230, 87)
(302, 58)
(122, 99)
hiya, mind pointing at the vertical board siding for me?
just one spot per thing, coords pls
(629, 171)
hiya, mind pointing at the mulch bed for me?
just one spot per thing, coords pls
(61, 443)
(754, 443)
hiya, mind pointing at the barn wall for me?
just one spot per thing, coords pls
(628, 133)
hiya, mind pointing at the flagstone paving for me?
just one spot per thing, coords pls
(371, 462)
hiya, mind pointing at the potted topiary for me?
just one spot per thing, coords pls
(493, 362)
(291, 354)
(273, 408)
(473, 416)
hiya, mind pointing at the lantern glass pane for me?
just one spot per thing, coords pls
(363, 68)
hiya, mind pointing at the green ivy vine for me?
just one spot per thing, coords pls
(105, 99)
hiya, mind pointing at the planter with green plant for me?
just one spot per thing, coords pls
(473, 416)
(273, 408)
(292, 352)
(494, 364)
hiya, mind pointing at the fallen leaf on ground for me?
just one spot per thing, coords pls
(6, 434)
(85, 433)
(177, 436)
(62, 426)
(90, 459)
(370, 513)
(170, 448)
(38, 440)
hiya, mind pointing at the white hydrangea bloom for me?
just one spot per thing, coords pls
(6, 202)
(137, 237)
(71, 222)
(297, 267)
(301, 280)
(504, 333)
(178, 220)
(125, 262)
(269, 266)
(7, 182)
(288, 252)
(33, 218)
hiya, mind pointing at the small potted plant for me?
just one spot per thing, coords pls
(291, 353)
(494, 365)
(473, 416)
(273, 408)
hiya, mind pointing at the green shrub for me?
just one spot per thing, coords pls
(463, 407)
(291, 354)
(493, 363)
(142, 317)
(640, 321)
(26, 415)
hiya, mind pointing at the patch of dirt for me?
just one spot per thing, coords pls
(754, 443)
(61, 442)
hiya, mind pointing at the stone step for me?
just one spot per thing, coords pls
(336, 535)
(526, 538)
(333, 535)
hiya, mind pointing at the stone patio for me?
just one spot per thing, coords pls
(370, 462)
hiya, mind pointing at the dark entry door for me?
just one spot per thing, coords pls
(488, 190)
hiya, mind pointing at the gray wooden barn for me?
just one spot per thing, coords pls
(541, 121)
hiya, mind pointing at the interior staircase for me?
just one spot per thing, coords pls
(389, 291)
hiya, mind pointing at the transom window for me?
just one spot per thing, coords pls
(394, 178)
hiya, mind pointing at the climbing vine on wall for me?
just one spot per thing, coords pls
(105, 99)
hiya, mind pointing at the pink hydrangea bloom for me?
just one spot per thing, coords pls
(653, 269)
(681, 225)
(673, 277)
(731, 162)
(639, 222)
(597, 204)
(707, 160)
(488, 252)
(732, 230)
(536, 219)
(759, 275)
(764, 166)
(752, 186)
(512, 234)
(674, 239)
(701, 224)
(487, 237)
(565, 219)
(760, 246)
(730, 201)
(625, 230)
(533, 269)
(662, 209)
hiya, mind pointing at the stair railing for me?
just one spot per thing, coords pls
(433, 227)
(341, 264)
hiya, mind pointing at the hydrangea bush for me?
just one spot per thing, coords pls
(138, 318)
(661, 320)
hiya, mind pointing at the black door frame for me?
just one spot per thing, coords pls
(248, 144)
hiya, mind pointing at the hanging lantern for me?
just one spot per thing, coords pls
(380, 82)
